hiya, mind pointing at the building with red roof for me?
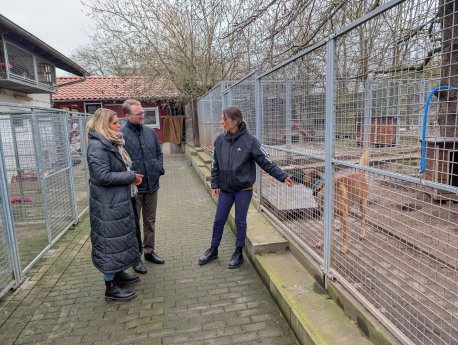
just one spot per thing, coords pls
(158, 96)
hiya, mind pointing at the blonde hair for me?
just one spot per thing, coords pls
(127, 104)
(99, 122)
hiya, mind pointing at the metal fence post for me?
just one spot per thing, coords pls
(9, 222)
(367, 114)
(258, 115)
(398, 113)
(329, 172)
(64, 119)
(288, 111)
(40, 168)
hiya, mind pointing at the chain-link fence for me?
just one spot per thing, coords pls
(365, 122)
(44, 183)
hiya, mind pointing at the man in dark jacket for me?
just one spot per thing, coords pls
(146, 154)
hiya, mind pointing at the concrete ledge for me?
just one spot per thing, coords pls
(295, 281)
(314, 317)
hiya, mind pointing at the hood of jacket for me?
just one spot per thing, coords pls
(231, 137)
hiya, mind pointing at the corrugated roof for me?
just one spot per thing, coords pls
(111, 87)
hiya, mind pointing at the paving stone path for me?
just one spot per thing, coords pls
(61, 301)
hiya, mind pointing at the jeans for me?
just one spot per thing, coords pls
(108, 277)
(225, 201)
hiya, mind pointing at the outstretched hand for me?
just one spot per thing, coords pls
(289, 181)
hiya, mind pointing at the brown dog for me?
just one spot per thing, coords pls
(349, 190)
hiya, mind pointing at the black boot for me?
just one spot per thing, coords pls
(237, 258)
(209, 255)
(124, 278)
(154, 258)
(116, 293)
(139, 267)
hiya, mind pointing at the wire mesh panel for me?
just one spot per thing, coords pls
(25, 189)
(54, 164)
(242, 96)
(205, 121)
(406, 263)
(7, 278)
(216, 102)
(21, 64)
(293, 121)
(77, 137)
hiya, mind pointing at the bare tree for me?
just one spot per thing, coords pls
(177, 39)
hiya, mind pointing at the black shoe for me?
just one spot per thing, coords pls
(155, 259)
(124, 278)
(140, 268)
(237, 258)
(209, 255)
(116, 293)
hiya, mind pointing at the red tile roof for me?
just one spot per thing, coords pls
(96, 88)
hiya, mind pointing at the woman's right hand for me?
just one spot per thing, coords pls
(138, 179)
(215, 192)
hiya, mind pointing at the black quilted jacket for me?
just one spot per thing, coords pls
(114, 242)
(146, 154)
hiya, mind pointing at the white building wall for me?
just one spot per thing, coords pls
(33, 99)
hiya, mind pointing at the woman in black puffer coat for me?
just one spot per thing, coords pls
(112, 188)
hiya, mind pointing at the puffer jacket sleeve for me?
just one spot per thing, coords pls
(262, 158)
(99, 165)
(215, 168)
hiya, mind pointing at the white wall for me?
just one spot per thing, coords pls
(32, 99)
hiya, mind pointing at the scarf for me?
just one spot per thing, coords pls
(119, 144)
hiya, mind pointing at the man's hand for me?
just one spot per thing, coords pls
(138, 179)
(288, 181)
(215, 192)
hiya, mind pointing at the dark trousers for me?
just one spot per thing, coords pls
(146, 207)
(138, 231)
(225, 201)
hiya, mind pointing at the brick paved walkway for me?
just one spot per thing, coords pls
(178, 303)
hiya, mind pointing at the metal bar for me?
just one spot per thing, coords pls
(23, 106)
(328, 168)
(363, 19)
(10, 229)
(368, 16)
(71, 186)
(243, 78)
(5, 53)
(40, 168)
(367, 121)
(258, 118)
(405, 178)
(398, 112)
(16, 158)
(288, 111)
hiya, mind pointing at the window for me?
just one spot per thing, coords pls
(152, 117)
(92, 107)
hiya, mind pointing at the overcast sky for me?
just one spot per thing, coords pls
(61, 24)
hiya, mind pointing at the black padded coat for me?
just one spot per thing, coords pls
(114, 241)
(146, 154)
(234, 158)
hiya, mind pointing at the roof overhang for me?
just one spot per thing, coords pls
(15, 34)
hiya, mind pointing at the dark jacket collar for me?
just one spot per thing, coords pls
(134, 127)
(242, 130)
